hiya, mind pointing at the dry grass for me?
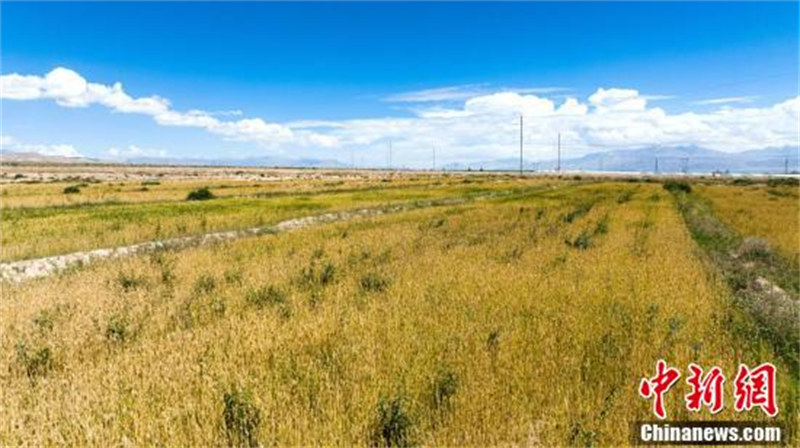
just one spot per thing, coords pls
(772, 213)
(472, 325)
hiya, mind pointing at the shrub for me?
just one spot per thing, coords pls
(493, 340)
(393, 425)
(233, 276)
(577, 212)
(241, 418)
(755, 249)
(117, 329)
(445, 386)
(326, 273)
(582, 241)
(602, 226)
(167, 268)
(72, 189)
(201, 194)
(314, 274)
(625, 196)
(128, 282)
(44, 320)
(675, 186)
(374, 282)
(36, 361)
(265, 295)
(783, 182)
(204, 284)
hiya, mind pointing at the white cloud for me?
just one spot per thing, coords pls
(19, 87)
(510, 102)
(655, 97)
(462, 92)
(52, 150)
(616, 100)
(8, 143)
(482, 125)
(486, 127)
(727, 100)
(572, 107)
(135, 151)
(69, 89)
(437, 94)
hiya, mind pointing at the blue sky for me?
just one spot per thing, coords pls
(401, 71)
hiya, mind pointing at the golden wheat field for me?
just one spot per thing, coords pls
(163, 212)
(770, 212)
(524, 314)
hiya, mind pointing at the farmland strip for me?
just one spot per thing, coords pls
(20, 271)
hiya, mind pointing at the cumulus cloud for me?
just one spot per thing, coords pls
(135, 151)
(614, 100)
(8, 143)
(572, 107)
(52, 150)
(486, 126)
(69, 89)
(478, 126)
(505, 102)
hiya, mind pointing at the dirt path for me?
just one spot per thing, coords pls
(20, 271)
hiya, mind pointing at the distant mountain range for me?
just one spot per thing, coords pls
(267, 161)
(690, 159)
(35, 157)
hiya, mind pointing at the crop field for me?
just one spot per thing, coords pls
(164, 212)
(771, 212)
(497, 311)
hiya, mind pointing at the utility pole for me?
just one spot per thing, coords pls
(685, 162)
(520, 145)
(558, 165)
(656, 170)
(434, 158)
(786, 166)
